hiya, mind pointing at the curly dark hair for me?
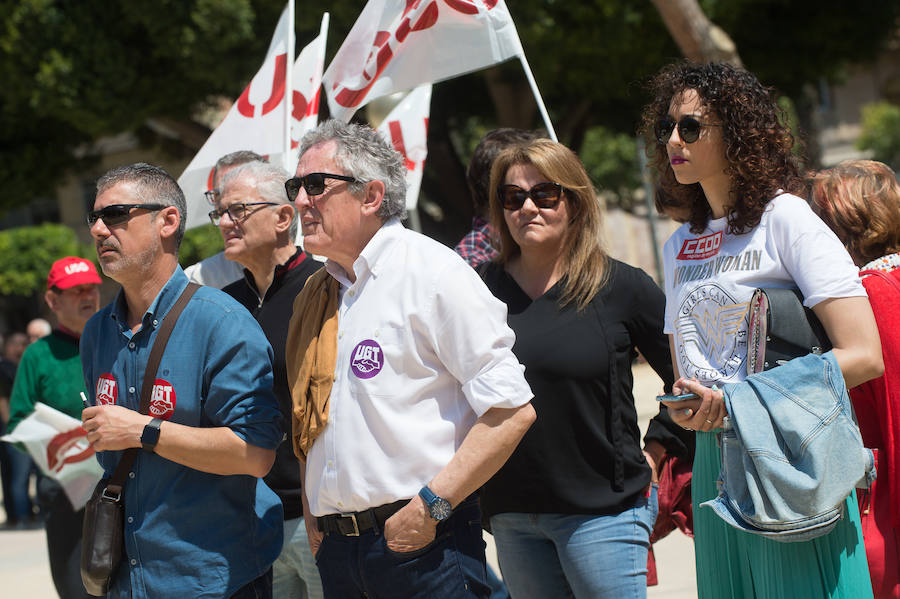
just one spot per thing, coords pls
(758, 143)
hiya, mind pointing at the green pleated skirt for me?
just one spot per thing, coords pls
(733, 564)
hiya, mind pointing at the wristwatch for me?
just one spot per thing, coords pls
(438, 506)
(150, 436)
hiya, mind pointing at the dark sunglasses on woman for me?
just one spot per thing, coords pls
(313, 183)
(116, 214)
(688, 129)
(544, 195)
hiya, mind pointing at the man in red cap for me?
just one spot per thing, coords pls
(50, 373)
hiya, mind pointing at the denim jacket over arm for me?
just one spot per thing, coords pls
(791, 451)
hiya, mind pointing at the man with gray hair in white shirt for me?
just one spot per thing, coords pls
(407, 396)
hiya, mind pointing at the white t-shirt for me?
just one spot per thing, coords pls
(709, 279)
(216, 271)
(423, 350)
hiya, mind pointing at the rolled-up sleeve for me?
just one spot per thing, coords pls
(239, 379)
(475, 343)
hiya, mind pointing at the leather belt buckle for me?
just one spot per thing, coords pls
(354, 532)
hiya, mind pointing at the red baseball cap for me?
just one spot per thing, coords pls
(71, 271)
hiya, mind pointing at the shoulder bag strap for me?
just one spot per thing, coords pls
(881, 275)
(117, 480)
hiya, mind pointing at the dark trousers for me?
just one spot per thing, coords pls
(63, 528)
(16, 467)
(452, 566)
(258, 588)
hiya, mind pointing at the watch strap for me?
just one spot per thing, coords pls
(150, 436)
(438, 508)
(427, 495)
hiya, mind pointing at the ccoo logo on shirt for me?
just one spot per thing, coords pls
(367, 359)
(701, 248)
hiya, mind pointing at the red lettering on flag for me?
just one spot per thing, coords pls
(247, 109)
(399, 145)
(384, 53)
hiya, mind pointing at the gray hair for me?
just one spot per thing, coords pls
(269, 181)
(366, 156)
(235, 158)
(154, 186)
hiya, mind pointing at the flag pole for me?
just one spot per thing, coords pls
(537, 96)
(323, 31)
(288, 90)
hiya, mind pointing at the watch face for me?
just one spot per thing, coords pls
(440, 509)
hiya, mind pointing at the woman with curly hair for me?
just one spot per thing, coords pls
(721, 146)
(860, 201)
(573, 508)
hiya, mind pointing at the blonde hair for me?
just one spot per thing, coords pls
(860, 201)
(583, 252)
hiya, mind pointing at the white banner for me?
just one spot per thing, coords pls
(256, 121)
(396, 45)
(60, 448)
(406, 127)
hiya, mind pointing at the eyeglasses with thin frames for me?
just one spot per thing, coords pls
(116, 214)
(544, 195)
(688, 129)
(237, 211)
(212, 196)
(313, 183)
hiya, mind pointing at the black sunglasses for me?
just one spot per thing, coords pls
(313, 183)
(116, 214)
(544, 195)
(688, 129)
(237, 211)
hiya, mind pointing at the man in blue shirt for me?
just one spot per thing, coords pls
(199, 522)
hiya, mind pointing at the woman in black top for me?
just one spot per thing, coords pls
(573, 508)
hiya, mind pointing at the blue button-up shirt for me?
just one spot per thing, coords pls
(189, 533)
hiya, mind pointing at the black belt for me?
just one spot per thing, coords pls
(350, 525)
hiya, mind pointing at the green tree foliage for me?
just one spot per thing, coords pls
(792, 43)
(881, 133)
(199, 243)
(75, 71)
(29, 252)
(611, 159)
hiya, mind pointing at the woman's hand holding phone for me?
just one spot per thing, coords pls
(694, 406)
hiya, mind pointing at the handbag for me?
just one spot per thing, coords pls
(782, 329)
(103, 529)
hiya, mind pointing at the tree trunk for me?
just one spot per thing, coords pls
(698, 38)
(513, 100)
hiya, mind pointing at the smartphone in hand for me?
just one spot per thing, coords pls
(677, 397)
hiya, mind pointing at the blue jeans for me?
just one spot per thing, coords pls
(582, 555)
(294, 573)
(19, 506)
(452, 566)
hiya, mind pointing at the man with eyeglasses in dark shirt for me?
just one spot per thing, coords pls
(217, 271)
(259, 224)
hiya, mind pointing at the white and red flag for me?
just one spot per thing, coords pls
(60, 448)
(256, 121)
(396, 45)
(406, 127)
